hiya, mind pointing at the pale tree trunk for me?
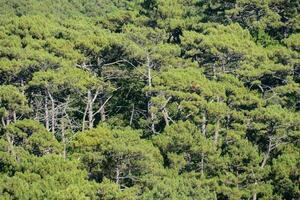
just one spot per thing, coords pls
(53, 114)
(202, 164)
(166, 116)
(132, 114)
(90, 109)
(63, 129)
(217, 127)
(203, 128)
(214, 72)
(149, 80)
(53, 120)
(117, 175)
(84, 116)
(14, 116)
(46, 114)
(152, 117)
(264, 162)
(11, 146)
(255, 195)
(149, 71)
(267, 154)
(102, 111)
(6, 120)
(3, 121)
(165, 112)
(217, 130)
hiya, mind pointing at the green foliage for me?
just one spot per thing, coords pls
(149, 99)
(33, 137)
(119, 155)
(47, 177)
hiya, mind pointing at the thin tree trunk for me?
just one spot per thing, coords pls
(63, 138)
(217, 127)
(102, 111)
(254, 196)
(214, 72)
(149, 76)
(149, 71)
(46, 114)
(117, 175)
(90, 109)
(152, 122)
(266, 156)
(264, 162)
(14, 116)
(3, 121)
(84, 116)
(202, 164)
(53, 117)
(203, 128)
(132, 114)
(11, 146)
(217, 130)
(166, 116)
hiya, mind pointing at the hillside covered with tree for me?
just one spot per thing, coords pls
(150, 99)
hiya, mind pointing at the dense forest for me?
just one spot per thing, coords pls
(150, 99)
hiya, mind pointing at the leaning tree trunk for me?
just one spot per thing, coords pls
(264, 162)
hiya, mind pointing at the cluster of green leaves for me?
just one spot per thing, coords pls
(149, 99)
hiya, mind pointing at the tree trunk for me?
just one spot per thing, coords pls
(63, 129)
(267, 154)
(254, 197)
(149, 77)
(102, 111)
(132, 114)
(14, 116)
(11, 148)
(255, 194)
(84, 116)
(264, 162)
(214, 72)
(166, 116)
(53, 114)
(202, 164)
(217, 130)
(3, 121)
(117, 175)
(46, 114)
(149, 71)
(203, 128)
(90, 109)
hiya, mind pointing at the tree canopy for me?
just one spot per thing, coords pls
(150, 99)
